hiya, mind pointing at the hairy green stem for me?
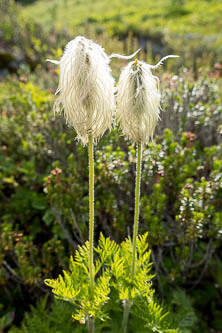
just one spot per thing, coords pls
(137, 206)
(126, 311)
(91, 226)
(128, 303)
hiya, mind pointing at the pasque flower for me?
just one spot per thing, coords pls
(86, 89)
(138, 108)
(138, 100)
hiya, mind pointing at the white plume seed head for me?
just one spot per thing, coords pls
(138, 101)
(86, 89)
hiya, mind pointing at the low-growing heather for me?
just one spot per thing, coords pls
(44, 202)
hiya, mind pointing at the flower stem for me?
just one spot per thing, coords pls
(126, 311)
(128, 302)
(91, 226)
(137, 206)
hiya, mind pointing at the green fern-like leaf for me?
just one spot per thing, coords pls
(106, 249)
(56, 318)
(139, 290)
(183, 315)
(73, 285)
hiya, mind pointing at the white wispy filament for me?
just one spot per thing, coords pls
(86, 89)
(138, 101)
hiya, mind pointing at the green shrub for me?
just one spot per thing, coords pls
(44, 193)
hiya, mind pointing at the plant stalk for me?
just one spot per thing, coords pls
(126, 311)
(91, 226)
(128, 303)
(137, 207)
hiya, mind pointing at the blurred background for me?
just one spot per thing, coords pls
(33, 30)
(44, 175)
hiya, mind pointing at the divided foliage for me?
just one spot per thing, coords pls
(112, 270)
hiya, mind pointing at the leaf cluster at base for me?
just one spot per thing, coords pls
(113, 284)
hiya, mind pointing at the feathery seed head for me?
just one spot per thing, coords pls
(86, 89)
(138, 100)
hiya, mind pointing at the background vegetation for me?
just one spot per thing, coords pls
(44, 176)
